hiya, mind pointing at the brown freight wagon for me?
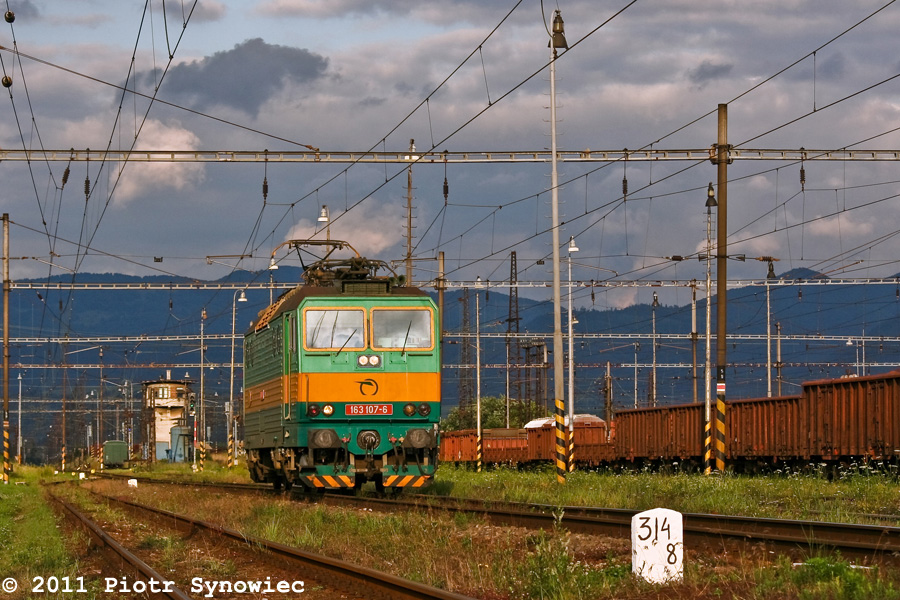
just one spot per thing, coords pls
(845, 419)
(766, 430)
(508, 446)
(854, 417)
(591, 439)
(659, 435)
(505, 446)
(457, 446)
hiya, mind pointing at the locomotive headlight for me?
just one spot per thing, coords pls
(312, 410)
(328, 410)
(362, 360)
(409, 410)
(374, 361)
(424, 409)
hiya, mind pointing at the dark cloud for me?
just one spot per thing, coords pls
(23, 8)
(708, 71)
(243, 78)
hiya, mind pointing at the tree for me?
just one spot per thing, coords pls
(493, 414)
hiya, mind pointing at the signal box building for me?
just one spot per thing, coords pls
(166, 406)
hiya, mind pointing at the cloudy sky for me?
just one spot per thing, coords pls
(457, 75)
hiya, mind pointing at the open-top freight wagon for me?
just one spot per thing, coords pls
(831, 421)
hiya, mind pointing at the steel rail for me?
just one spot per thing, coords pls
(116, 552)
(389, 585)
(841, 536)
(850, 538)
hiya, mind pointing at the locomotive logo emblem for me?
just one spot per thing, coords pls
(368, 387)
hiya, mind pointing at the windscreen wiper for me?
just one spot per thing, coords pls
(406, 339)
(349, 337)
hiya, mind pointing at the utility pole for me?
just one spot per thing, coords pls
(478, 375)
(513, 348)
(608, 392)
(409, 213)
(778, 354)
(100, 413)
(653, 372)
(19, 436)
(722, 158)
(557, 40)
(64, 382)
(694, 336)
(6, 465)
(202, 415)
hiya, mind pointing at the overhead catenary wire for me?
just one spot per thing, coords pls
(656, 196)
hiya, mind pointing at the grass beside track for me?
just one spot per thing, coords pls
(33, 547)
(845, 499)
(465, 554)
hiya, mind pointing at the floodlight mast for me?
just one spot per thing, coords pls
(557, 40)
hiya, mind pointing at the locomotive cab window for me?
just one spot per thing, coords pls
(405, 329)
(334, 329)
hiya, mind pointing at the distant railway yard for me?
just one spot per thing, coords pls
(498, 533)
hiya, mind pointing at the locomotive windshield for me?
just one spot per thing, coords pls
(334, 328)
(402, 328)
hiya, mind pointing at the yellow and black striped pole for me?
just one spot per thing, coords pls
(560, 441)
(64, 458)
(720, 420)
(6, 450)
(707, 448)
(478, 452)
(202, 454)
(571, 448)
(229, 462)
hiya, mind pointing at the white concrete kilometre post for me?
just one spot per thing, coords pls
(657, 545)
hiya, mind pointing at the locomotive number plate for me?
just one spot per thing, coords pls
(369, 409)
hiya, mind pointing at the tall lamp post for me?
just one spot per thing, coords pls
(557, 40)
(707, 370)
(572, 248)
(232, 447)
(769, 277)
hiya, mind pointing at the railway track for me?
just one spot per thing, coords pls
(852, 540)
(117, 554)
(337, 574)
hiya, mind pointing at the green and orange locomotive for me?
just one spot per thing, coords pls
(342, 379)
